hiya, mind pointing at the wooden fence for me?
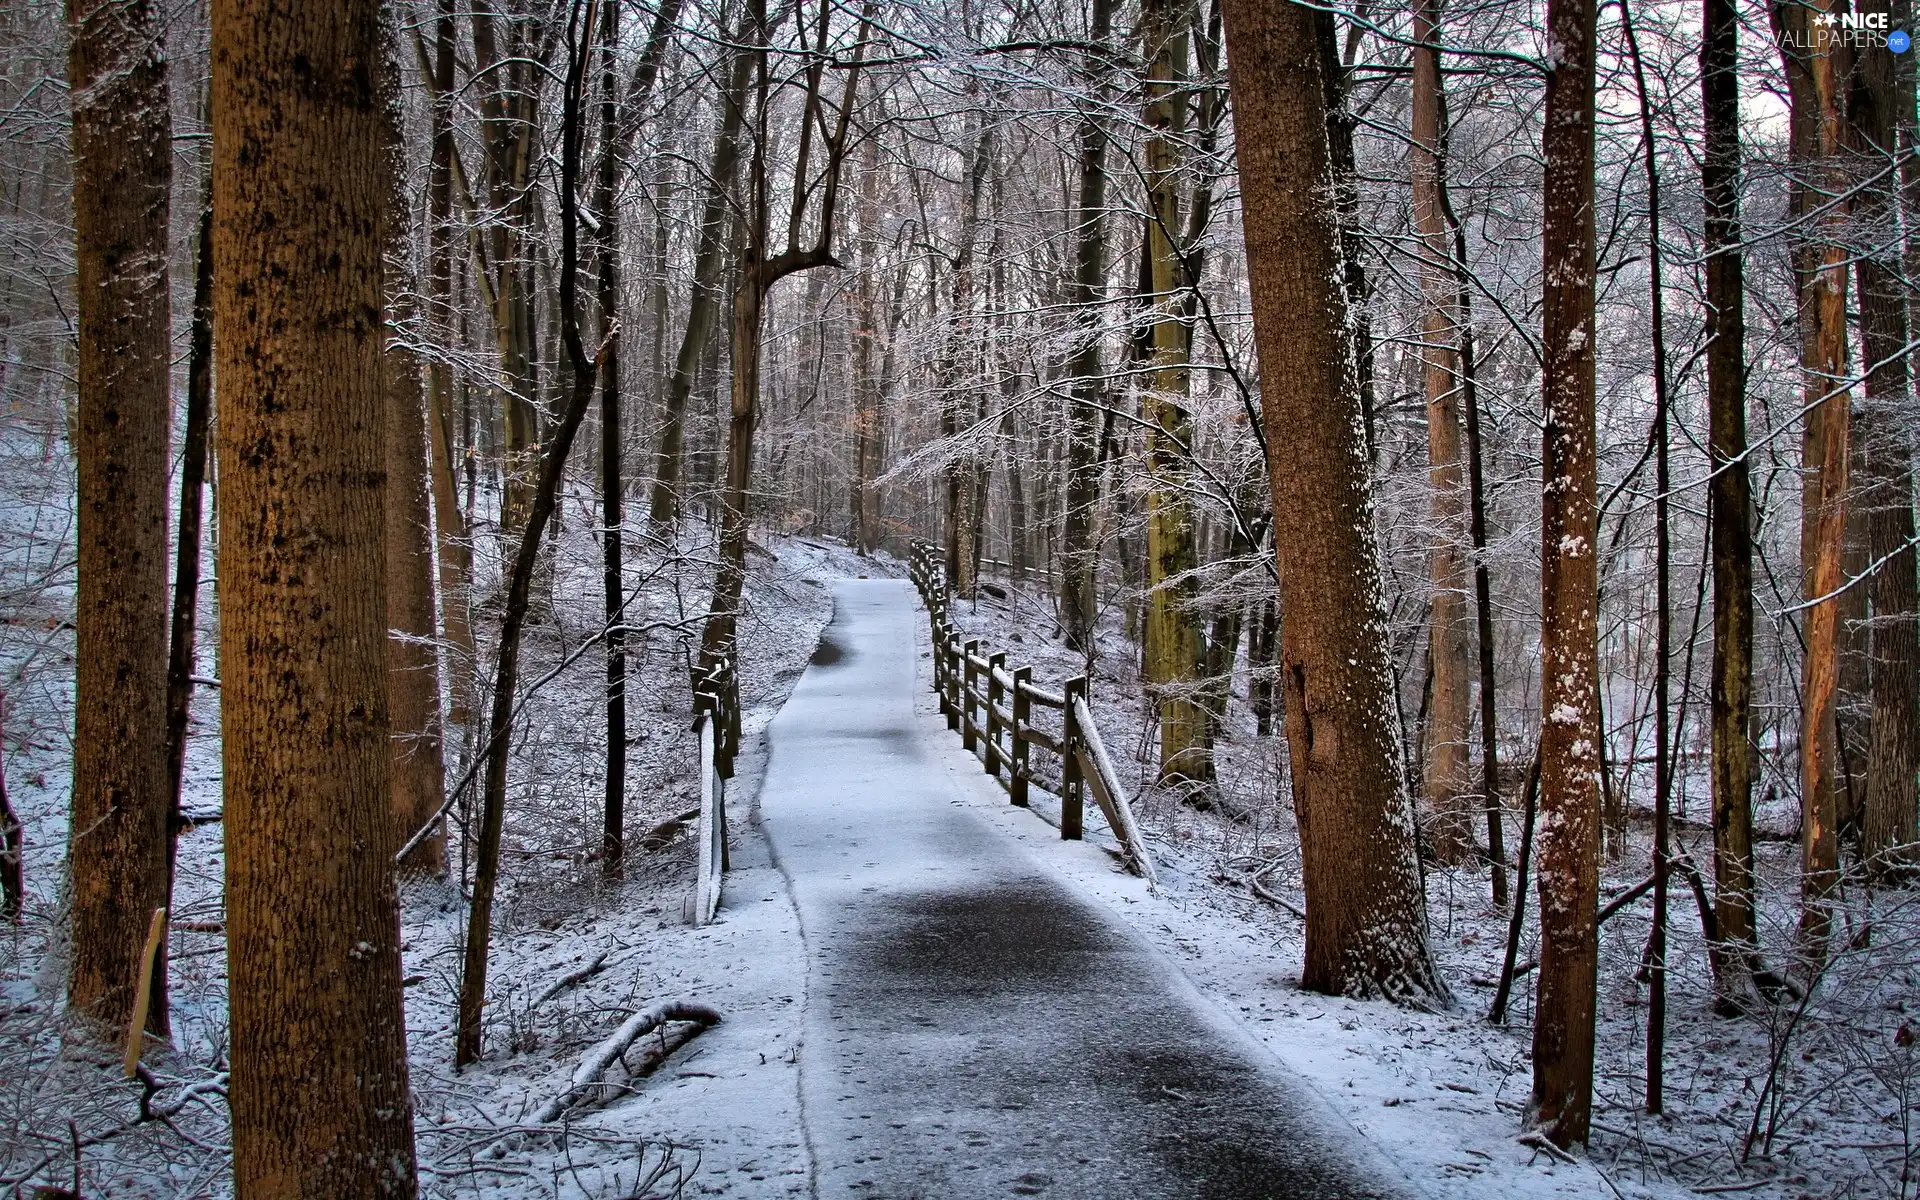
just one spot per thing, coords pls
(1004, 716)
(716, 706)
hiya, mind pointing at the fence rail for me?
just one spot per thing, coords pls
(716, 706)
(997, 713)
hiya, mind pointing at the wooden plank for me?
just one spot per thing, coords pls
(1098, 770)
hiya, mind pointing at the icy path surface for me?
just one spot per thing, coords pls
(973, 1026)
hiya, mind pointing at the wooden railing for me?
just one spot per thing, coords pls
(994, 709)
(716, 706)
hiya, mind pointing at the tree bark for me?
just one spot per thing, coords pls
(1446, 775)
(1815, 79)
(613, 573)
(584, 373)
(708, 264)
(1173, 638)
(419, 777)
(181, 641)
(319, 1090)
(1366, 918)
(451, 536)
(1730, 508)
(1887, 825)
(122, 174)
(1079, 552)
(1571, 757)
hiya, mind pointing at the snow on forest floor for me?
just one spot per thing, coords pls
(1441, 1093)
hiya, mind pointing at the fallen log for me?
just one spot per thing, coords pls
(594, 1063)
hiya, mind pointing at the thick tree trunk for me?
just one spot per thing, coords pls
(122, 173)
(313, 931)
(1446, 774)
(419, 777)
(862, 523)
(1571, 756)
(1730, 509)
(1887, 825)
(1079, 552)
(1173, 637)
(1366, 918)
(1815, 78)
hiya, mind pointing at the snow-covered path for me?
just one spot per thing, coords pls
(973, 1026)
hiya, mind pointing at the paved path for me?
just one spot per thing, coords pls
(973, 1026)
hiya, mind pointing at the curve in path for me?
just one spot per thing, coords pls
(973, 1026)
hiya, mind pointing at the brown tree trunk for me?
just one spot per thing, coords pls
(1730, 508)
(451, 540)
(319, 1092)
(542, 501)
(413, 661)
(1571, 732)
(181, 641)
(122, 173)
(1079, 552)
(866, 384)
(1446, 775)
(1887, 825)
(613, 572)
(1173, 639)
(1815, 78)
(1366, 917)
(708, 265)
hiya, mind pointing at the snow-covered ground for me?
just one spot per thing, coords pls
(1830, 1090)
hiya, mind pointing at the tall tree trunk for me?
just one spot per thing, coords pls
(313, 930)
(122, 175)
(866, 333)
(963, 476)
(1079, 552)
(1366, 917)
(419, 776)
(1446, 775)
(454, 549)
(1887, 826)
(1173, 638)
(613, 574)
(708, 265)
(1730, 508)
(1816, 79)
(584, 371)
(182, 639)
(1571, 732)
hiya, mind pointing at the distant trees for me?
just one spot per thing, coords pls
(123, 175)
(1366, 913)
(319, 1093)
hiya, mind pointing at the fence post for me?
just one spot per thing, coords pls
(948, 640)
(940, 661)
(1022, 716)
(1073, 789)
(996, 666)
(970, 675)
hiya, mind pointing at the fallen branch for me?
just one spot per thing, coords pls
(1533, 1139)
(573, 978)
(595, 1062)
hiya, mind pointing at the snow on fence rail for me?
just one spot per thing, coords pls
(993, 709)
(716, 705)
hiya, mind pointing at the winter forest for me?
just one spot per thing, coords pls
(1149, 598)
